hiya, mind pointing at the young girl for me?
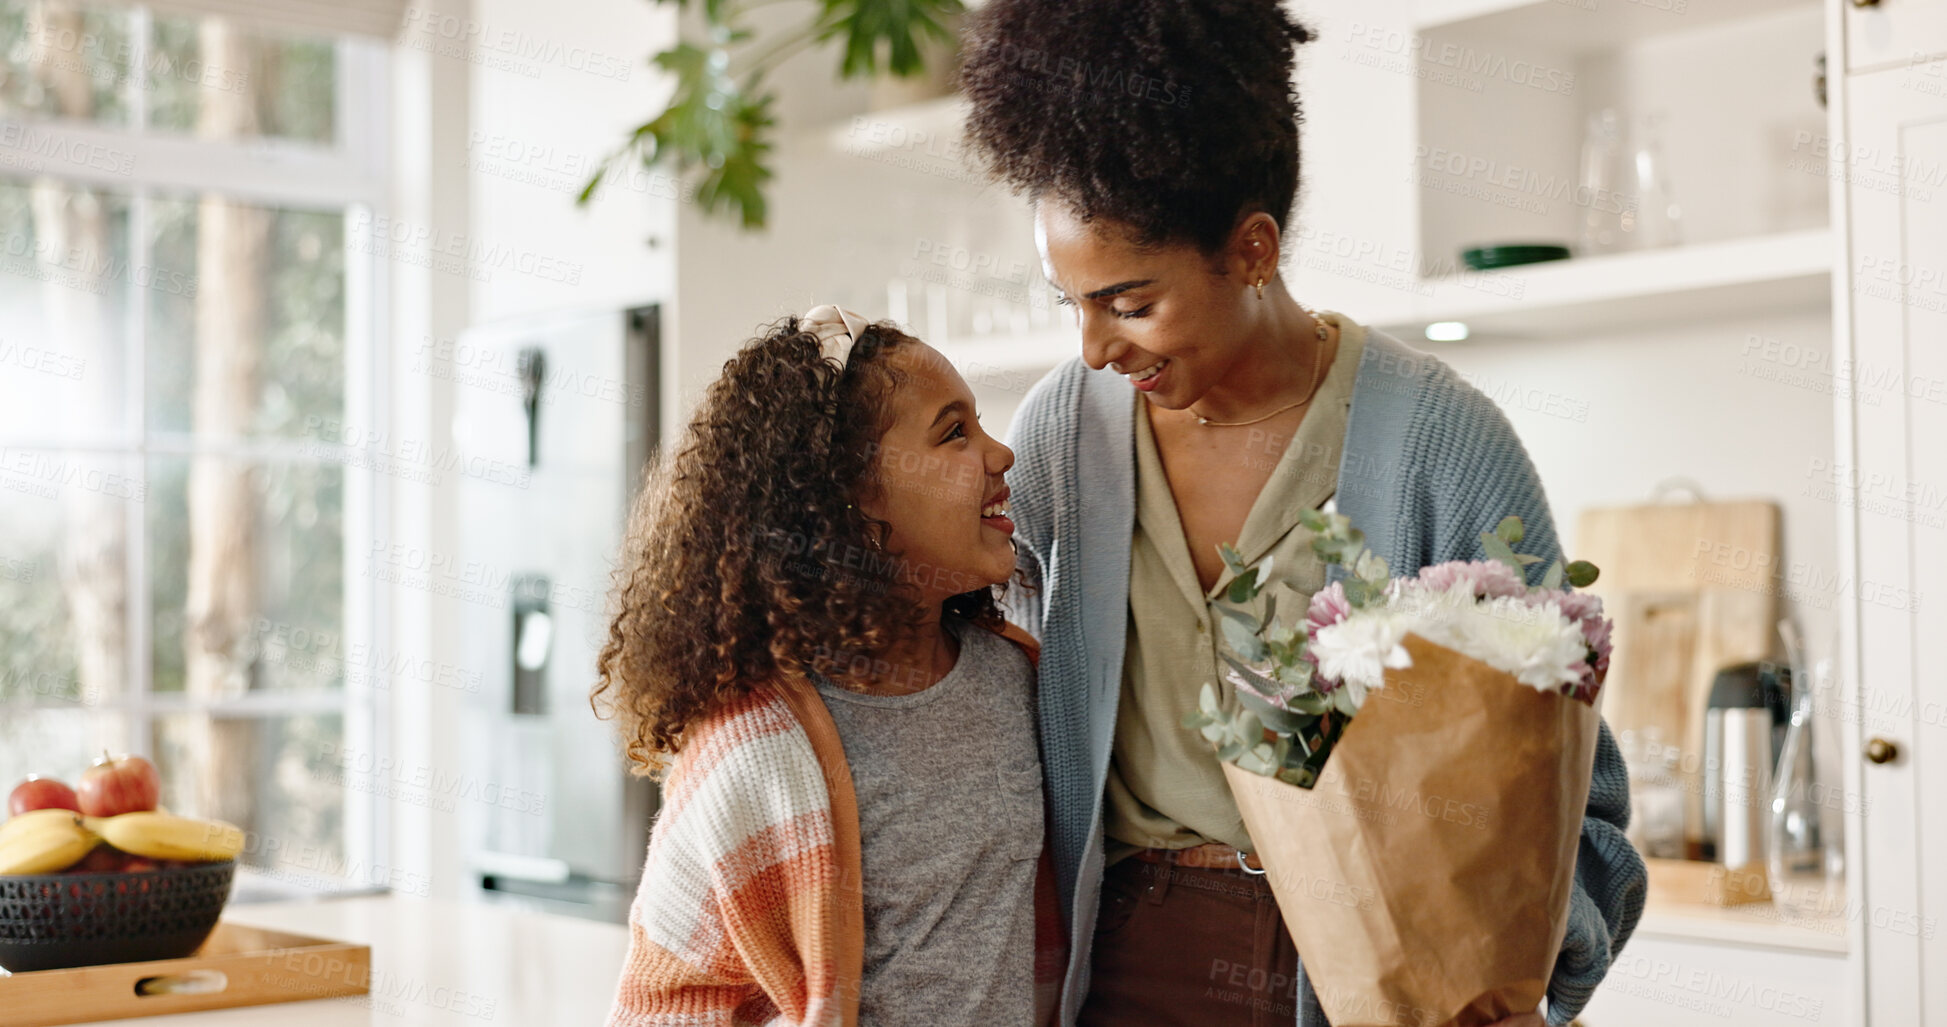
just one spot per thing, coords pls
(851, 828)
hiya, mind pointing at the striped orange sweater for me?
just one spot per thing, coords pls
(750, 909)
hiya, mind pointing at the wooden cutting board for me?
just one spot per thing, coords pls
(1692, 587)
(237, 966)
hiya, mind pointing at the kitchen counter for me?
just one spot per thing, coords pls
(437, 963)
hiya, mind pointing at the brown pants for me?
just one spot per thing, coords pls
(1189, 947)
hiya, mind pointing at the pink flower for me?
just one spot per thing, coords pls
(1490, 579)
(1587, 610)
(1328, 607)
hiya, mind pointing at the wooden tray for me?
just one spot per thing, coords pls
(237, 966)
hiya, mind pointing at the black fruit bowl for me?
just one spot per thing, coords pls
(53, 921)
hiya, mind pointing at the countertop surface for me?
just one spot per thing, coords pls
(437, 963)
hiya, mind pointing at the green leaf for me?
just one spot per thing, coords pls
(1252, 677)
(1239, 615)
(1582, 573)
(1311, 703)
(1552, 579)
(1207, 700)
(1509, 530)
(1312, 520)
(1498, 550)
(1229, 751)
(1241, 589)
(1296, 674)
(1356, 592)
(1233, 560)
(892, 26)
(1281, 721)
(1244, 642)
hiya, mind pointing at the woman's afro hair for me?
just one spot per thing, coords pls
(1176, 118)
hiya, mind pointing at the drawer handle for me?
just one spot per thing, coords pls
(1880, 750)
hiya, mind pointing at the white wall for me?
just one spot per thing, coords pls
(546, 106)
(500, 110)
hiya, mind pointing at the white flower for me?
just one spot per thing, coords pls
(1535, 643)
(1357, 651)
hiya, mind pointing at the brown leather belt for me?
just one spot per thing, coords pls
(1209, 856)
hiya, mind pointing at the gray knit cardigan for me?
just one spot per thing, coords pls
(1428, 464)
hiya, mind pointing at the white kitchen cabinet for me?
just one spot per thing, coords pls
(1678, 982)
(1887, 32)
(1892, 308)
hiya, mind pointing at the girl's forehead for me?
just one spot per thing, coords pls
(926, 381)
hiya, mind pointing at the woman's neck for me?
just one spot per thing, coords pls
(1277, 365)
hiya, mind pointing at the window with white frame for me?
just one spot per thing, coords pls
(183, 304)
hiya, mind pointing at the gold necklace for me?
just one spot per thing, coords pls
(1318, 353)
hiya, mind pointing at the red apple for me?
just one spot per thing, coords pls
(103, 860)
(117, 785)
(39, 792)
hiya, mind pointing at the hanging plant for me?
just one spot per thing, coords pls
(718, 125)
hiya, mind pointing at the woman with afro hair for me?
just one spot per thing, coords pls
(1158, 143)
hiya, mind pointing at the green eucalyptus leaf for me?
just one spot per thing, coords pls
(1243, 641)
(1582, 573)
(1552, 579)
(1251, 676)
(1233, 560)
(1241, 590)
(1357, 592)
(1509, 530)
(1498, 550)
(1283, 722)
(1238, 614)
(1311, 703)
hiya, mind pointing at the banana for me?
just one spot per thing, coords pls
(167, 836)
(44, 841)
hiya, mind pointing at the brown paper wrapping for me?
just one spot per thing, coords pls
(1426, 878)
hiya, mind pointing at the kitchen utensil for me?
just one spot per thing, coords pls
(1806, 858)
(1742, 734)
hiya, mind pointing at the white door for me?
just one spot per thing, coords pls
(1896, 289)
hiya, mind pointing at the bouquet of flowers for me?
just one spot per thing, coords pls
(1412, 761)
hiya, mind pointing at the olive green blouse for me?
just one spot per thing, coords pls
(1165, 788)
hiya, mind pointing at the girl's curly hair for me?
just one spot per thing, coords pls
(1174, 117)
(747, 559)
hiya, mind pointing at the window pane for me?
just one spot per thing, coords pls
(65, 60)
(209, 77)
(262, 333)
(263, 775)
(246, 565)
(64, 576)
(57, 743)
(65, 279)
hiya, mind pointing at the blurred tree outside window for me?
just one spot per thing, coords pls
(172, 519)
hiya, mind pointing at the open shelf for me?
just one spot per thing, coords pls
(1579, 26)
(1592, 295)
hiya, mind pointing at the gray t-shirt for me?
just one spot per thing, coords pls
(949, 793)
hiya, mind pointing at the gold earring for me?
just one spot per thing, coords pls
(1260, 288)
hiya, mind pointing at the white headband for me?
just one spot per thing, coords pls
(836, 329)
